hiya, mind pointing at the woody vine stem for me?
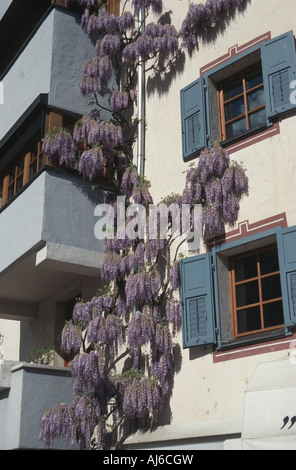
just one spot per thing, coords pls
(123, 343)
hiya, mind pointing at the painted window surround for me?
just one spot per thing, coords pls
(243, 238)
(199, 103)
(234, 52)
(246, 229)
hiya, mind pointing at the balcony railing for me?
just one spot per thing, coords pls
(31, 390)
(28, 163)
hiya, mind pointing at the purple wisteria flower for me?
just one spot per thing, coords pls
(59, 422)
(175, 276)
(91, 162)
(201, 18)
(110, 44)
(156, 5)
(173, 313)
(129, 180)
(142, 287)
(119, 101)
(71, 339)
(59, 145)
(218, 185)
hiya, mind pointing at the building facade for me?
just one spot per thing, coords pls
(48, 257)
(235, 385)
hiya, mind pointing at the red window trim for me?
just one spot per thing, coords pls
(239, 352)
(262, 347)
(246, 228)
(235, 51)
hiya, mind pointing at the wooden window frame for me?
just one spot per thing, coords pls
(222, 102)
(113, 6)
(261, 303)
(20, 172)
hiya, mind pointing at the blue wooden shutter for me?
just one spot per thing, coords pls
(286, 240)
(279, 69)
(193, 119)
(198, 320)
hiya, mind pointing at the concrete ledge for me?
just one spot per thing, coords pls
(34, 389)
(202, 429)
(69, 259)
(35, 367)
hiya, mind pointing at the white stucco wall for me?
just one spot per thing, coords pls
(28, 77)
(205, 391)
(268, 166)
(51, 63)
(11, 332)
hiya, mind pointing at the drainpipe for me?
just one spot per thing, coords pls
(141, 135)
(1, 349)
(141, 102)
(141, 111)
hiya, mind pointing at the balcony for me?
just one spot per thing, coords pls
(47, 241)
(49, 62)
(29, 391)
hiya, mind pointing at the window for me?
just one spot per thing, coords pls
(239, 97)
(256, 293)
(240, 292)
(36, 159)
(28, 162)
(241, 104)
(16, 177)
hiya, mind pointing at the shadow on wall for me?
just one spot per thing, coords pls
(165, 72)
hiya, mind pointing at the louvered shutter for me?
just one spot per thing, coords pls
(198, 320)
(193, 119)
(286, 240)
(279, 69)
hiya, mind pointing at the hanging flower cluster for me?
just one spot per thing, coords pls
(218, 185)
(142, 287)
(96, 75)
(71, 341)
(103, 139)
(75, 422)
(203, 17)
(59, 144)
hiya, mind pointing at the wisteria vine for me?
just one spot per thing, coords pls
(122, 341)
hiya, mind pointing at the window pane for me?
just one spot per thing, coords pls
(254, 78)
(271, 287)
(12, 174)
(233, 89)
(234, 109)
(255, 99)
(269, 262)
(273, 314)
(245, 268)
(257, 119)
(248, 320)
(20, 165)
(18, 186)
(33, 168)
(236, 128)
(10, 192)
(247, 294)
